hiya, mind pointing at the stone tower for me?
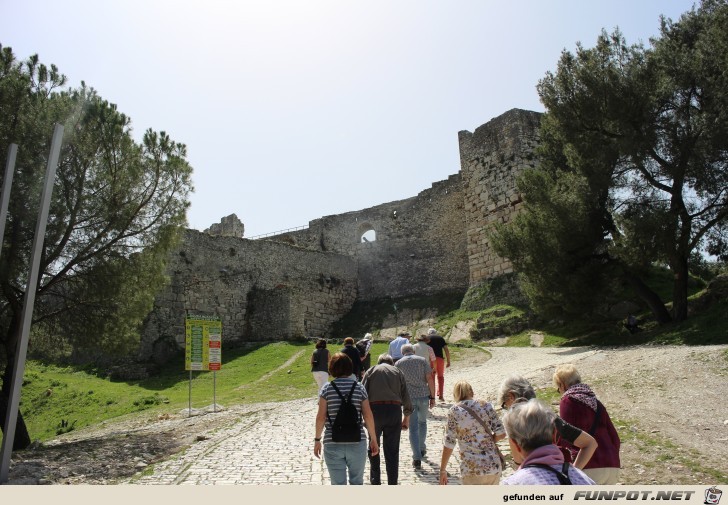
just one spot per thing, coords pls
(491, 158)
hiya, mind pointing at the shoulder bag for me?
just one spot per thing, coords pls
(488, 431)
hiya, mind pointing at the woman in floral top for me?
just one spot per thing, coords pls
(479, 459)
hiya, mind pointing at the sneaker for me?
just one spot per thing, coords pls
(441, 398)
(417, 464)
(423, 452)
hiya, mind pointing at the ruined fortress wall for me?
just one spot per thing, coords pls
(491, 159)
(423, 251)
(299, 283)
(262, 291)
(419, 246)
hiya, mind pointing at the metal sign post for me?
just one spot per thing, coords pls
(203, 349)
(27, 316)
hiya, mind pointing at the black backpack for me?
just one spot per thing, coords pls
(347, 425)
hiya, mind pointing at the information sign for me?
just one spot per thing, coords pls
(203, 343)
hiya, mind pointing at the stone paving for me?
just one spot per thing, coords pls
(272, 443)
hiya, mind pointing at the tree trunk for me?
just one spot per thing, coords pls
(651, 298)
(22, 437)
(680, 289)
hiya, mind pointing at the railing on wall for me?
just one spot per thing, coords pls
(297, 228)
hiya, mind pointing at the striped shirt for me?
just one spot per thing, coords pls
(333, 401)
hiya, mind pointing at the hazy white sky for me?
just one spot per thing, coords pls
(296, 109)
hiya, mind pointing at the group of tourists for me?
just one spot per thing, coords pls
(365, 409)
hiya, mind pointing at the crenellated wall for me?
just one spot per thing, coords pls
(298, 284)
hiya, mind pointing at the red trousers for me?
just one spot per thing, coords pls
(440, 370)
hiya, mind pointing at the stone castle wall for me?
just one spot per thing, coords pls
(262, 291)
(298, 284)
(491, 158)
(419, 246)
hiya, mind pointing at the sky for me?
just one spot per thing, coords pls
(292, 110)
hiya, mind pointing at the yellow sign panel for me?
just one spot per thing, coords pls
(203, 343)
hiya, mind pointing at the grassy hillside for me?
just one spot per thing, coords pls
(57, 399)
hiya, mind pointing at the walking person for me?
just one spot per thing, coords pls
(439, 346)
(354, 356)
(364, 346)
(388, 396)
(581, 407)
(424, 350)
(320, 363)
(516, 388)
(395, 346)
(421, 388)
(343, 457)
(474, 426)
(530, 429)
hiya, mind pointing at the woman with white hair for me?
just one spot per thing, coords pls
(530, 428)
(516, 388)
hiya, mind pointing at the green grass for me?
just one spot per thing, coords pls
(59, 399)
(521, 340)
(550, 395)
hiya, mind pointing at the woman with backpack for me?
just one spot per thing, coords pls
(343, 403)
(580, 407)
(530, 429)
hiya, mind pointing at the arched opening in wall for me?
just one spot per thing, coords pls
(369, 236)
(366, 233)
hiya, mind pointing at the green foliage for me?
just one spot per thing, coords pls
(116, 210)
(633, 167)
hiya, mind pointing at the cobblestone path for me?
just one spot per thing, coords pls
(273, 443)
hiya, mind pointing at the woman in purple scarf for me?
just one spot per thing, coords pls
(579, 406)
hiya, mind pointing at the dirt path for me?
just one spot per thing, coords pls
(668, 403)
(285, 365)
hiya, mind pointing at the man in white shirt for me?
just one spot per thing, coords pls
(395, 346)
